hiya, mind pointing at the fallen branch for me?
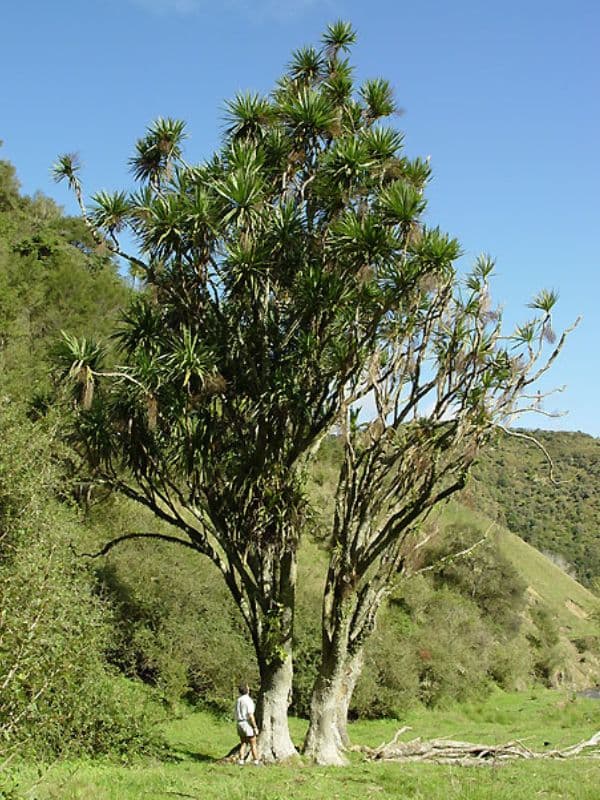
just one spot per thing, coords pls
(447, 751)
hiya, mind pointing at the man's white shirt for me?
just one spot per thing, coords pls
(243, 708)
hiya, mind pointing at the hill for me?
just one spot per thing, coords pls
(512, 484)
(552, 594)
(571, 604)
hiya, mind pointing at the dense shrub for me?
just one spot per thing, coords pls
(511, 663)
(547, 648)
(432, 646)
(306, 662)
(484, 575)
(449, 633)
(57, 694)
(389, 683)
(512, 484)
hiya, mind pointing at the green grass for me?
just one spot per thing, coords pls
(195, 742)
(570, 602)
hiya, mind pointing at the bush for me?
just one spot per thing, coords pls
(454, 648)
(389, 683)
(306, 664)
(484, 575)
(511, 663)
(432, 646)
(58, 694)
(549, 655)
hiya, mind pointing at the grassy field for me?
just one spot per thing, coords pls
(190, 766)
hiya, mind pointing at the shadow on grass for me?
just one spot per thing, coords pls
(179, 754)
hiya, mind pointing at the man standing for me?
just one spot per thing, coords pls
(246, 724)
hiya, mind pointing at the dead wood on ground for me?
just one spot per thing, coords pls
(449, 751)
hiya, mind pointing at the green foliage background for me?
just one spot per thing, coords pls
(52, 277)
(59, 695)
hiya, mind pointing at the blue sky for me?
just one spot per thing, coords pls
(502, 96)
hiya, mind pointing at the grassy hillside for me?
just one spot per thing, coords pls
(571, 604)
(512, 484)
(553, 598)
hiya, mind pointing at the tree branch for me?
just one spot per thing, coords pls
(539, 445)
(163, 537)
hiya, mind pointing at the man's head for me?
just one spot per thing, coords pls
(243, 688)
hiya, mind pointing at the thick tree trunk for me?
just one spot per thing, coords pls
(323, 743)
(274, 741)
(352, 672)
(327, 737)
(327, 734)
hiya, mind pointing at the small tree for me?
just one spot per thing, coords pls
(443, 379)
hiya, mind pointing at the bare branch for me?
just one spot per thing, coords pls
(452, 556)
(449, 751)
(129, 537)
(121, 376)
(554, 355)
(539, 445)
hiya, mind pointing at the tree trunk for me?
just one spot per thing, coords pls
(275, 663)
(327, 737)
(274, 741)
(323, 743)
(351, 675)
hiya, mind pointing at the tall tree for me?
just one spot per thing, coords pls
(274, 272)
(268, 275)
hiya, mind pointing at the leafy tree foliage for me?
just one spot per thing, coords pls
(57, 693)
(557, 513)
(288, 278)
(52, 276)
(270, 270)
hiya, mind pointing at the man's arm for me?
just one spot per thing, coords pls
(252, 721)
(251, 717)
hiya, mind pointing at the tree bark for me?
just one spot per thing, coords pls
(323, 743)
(352, 672)
(274, 741)
(327, 738)
(274, 655)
